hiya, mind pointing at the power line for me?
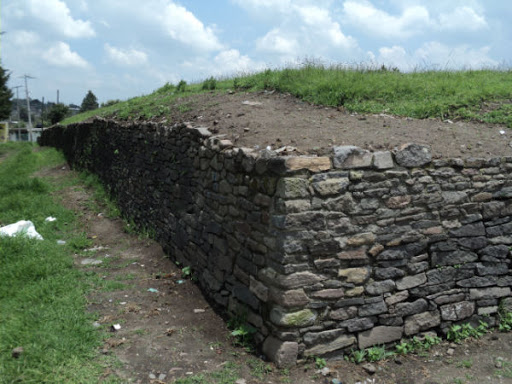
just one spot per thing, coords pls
(17, 100)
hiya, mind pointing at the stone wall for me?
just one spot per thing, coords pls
(323, 254)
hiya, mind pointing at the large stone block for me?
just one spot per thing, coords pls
(421, 322)
(379, 335)
(413, 155)
(313, 164)
(457, 311)
(283, 353)
(488, 293)
(383, 160)
(331, 186)
(354, 275)
(303, 318)
(292, 188)
(290, 299)
(348, 157)
(341, 342)
(408, 282)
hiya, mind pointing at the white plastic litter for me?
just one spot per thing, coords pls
(49, 219)
(23, 228)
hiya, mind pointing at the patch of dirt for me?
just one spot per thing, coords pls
(272, 119)
(173, 333)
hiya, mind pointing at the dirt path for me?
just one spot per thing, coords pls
(169, 332)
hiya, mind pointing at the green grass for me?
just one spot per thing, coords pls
(484, 95)
(42, 297)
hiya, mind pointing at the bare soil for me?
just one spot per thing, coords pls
(174, 333)
(262, 119)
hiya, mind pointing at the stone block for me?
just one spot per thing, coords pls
(457, 311)
(356, 325)
(485, 311)
(421, 322)
(341, 342)
(388, 273)
(380, 287)
(413, 155)
(366, 238)
(282, 353)
(379, 335)
(407, 309)
(372, 309)
(259, 289)
(357, 291)
(303, 318)
(383, 160)
(398, 202)
(354, 275)
(331, 186)
(313, 164)
(349, 157)
(354, 254)
(328, 294)
(290, 299)
(343, 313)
(408, 282)
(397, 298)
(299, 279)
(292, 188)
(311, 338)
(488, 293)
(469, 230)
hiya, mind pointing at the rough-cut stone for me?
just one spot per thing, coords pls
(383, 160)
(353, 254)
(398, 202)
(290, 299)
(355, 275)
(331, 186)
(348, 157)
(409, 282)
(343, 313)
(292, 188)
(421, 322)
(340, 342)
(311, 338)
(283, 353)
(380, 287)
(328, 294)
(457, 311)
(367, 238)
(357, 291)
(397, 298)
(372, 309)
(413, 155)
(488, 293)
(298, 279)
(388, 273)
(407, 309)
(379, 335)
(476, 229)
(259, 289)
(313, 164)
(356, 325)
(302, 318)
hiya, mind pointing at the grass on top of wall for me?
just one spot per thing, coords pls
(484, 95)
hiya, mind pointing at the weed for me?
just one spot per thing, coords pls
(242, 332)
(378, 353)
(186, 272)
(182, 86)
(259, 368)
(465, 364)
(505, 319)
(320, 363)
(457, 333)
(209, 84)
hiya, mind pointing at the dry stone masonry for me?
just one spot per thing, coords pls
(322, 254)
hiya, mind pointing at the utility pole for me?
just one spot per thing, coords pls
(28, 106)
(57, 96)
(17, 101)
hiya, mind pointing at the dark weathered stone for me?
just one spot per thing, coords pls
(421, 322)
(373, 309)
(380, 287)
(283, 353)
(475, 229)
(379, 335)
(457, 311)
(355, 325)
(407, 309)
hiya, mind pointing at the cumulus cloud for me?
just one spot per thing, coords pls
(364, 15)
(57, 14)
(435, 55)
(61, 55)
(302, 28)
(125, 57)
(184, 27)
(413, 19)
(462, 18)
(231, 61)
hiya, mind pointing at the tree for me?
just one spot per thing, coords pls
(57, 113)
(89, 102)
(5, 95)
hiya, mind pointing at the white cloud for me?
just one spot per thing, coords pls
(231, 61)
(126, 57)
(276, 41)
(464, 18)
(60, 55)
(436, 56)
(24, 38)
(57, 14)
(184, 27)
(363, 14)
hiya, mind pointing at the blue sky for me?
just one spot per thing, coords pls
(125, 48)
